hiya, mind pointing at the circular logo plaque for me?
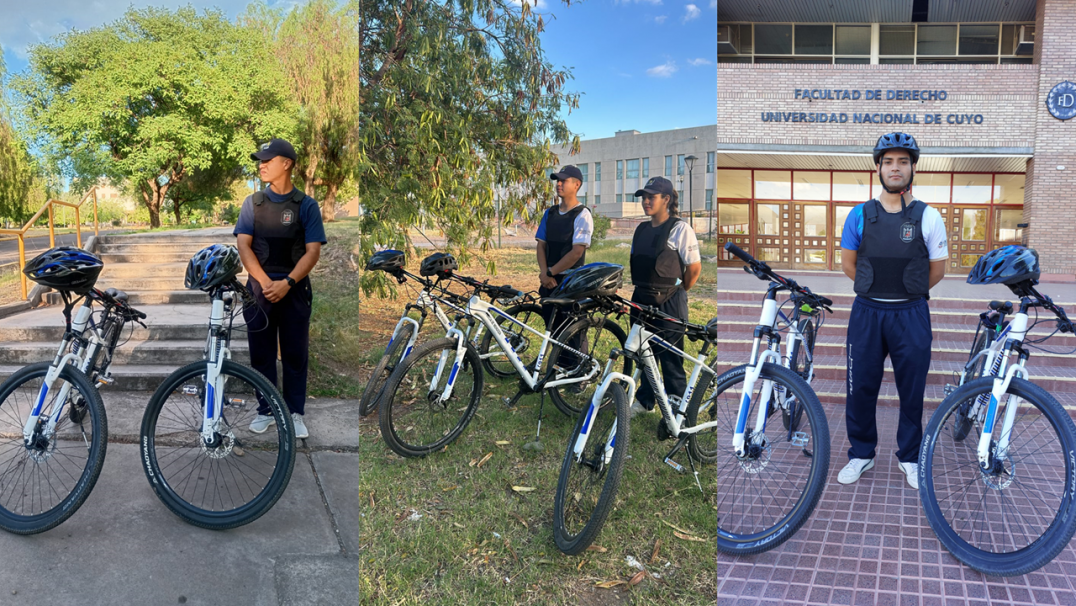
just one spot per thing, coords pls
(1062, 101)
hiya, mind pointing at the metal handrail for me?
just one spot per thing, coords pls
(48, 206)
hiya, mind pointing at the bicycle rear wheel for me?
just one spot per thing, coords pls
(586, 488)
(1017, 516)
(44, 483)
(394, 353)
(525, 343)
(596, 337)
(414, 421)
(766, 496)
(239, 477)
(802, 363)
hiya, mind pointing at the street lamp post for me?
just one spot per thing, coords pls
(690, 161)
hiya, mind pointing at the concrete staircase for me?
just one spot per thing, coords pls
(953, 320)
(150, 268)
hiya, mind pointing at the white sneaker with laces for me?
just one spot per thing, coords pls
(636, 409)
(261, 423)
(853, 470)
(300, 427)
(911, 471)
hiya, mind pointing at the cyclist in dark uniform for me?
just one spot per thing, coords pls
(279, 235)
(665, 264)
(895, 250)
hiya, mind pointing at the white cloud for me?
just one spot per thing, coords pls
(713, 3)
(665, 70)
(691, 12)
(699, 61)
(660, 19)
(539, 4)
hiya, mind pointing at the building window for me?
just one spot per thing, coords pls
(597, 199)
(680, 164)
(814, 40)
(710, 162)
(583, 199)
(619, 170)
(583, 169)
(597, 171)
(773, 39)
(633, 169)
(668, 166)
(709, 199)
(620, 198)
(646, 168)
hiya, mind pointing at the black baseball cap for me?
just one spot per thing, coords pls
(567, 171)
(274, 148)
(656, 185)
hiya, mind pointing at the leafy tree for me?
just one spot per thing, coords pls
(457, 103)
(318, 51)
(153, 97)
(203, 188)
(18, 170)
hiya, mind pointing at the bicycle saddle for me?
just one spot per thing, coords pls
(117, 295)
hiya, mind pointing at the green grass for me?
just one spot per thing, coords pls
(337, 345)
(442, 530)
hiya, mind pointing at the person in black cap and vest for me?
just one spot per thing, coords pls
(894, 248)
(280, 234)
(665, 264)
(563, 238)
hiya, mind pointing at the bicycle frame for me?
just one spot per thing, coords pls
(997, 358)
(82, 358)
(217, 351)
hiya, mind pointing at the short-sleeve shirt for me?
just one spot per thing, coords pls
(933, 227)
(583, 228)
(309, 213)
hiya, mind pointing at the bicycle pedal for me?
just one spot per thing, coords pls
(800, 439)
(948, 389)
(671, 463)
(109, 380)
(190, 390)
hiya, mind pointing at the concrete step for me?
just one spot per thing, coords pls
(174, 238)
(841, 313)
(972, 303)
(127, 378)
(172, 352)
(131, 249)
(177, 322)
(151, 297)
(162, 255)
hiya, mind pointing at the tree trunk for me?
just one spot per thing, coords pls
(328, 205)
(177, 209)
(152, 202)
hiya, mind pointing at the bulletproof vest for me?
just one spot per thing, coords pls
(559, 231)
(893, 261)
(279, 237)
(656, 269)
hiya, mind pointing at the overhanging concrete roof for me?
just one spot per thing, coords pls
(872, 11)
(928, 162)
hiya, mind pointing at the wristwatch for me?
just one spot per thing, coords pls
(549, 272)
(290, 281)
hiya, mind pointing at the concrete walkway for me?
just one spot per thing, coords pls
(125, 547)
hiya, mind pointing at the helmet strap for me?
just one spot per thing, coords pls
(896, 191)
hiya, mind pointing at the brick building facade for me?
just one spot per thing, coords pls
(795, 126)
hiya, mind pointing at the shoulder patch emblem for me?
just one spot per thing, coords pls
(287, 217)
(907, 232)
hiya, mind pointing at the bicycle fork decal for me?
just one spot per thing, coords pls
(750, 377)
(1001, 387)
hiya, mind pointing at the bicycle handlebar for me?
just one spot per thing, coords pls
(762, 271)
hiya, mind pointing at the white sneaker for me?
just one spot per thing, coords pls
(636, 409)
(261, 423)
(300, 427)
(911, 470)
(853, 470)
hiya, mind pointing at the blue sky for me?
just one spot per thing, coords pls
(641, 64)
(646, 65)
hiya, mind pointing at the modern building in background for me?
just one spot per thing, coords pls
(806, 88)
(615, 167)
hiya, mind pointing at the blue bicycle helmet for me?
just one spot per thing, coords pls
(896, 141)
(591, 280)
(386, 260)
(1009, 265)
(212, 266)
(65, 268)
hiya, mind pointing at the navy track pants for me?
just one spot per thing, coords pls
(902, 332)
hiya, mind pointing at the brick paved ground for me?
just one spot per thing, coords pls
(870, 544)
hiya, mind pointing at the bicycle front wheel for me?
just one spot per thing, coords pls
(525, 343)
(414, 417)
(394, 353)
(44, 482)
(241, 475)
(1018, 514)
(765, 496)
(586, 488)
